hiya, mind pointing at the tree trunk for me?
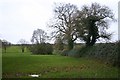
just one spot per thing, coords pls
(23, 49)
(88, 40)
(70, 44)
(93, 40)
(92, 35)
(5, 49)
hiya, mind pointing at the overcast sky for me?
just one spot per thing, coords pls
(19, 18)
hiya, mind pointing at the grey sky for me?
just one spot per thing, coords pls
(19, 18)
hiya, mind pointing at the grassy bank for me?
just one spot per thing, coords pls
(20, 65)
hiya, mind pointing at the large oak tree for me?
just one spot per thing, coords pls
(92, 23)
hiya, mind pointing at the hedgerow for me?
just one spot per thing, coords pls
(103, 51)
(108, 52)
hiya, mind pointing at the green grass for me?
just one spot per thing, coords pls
(13, 49)
(20, 65)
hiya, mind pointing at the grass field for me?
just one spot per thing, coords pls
(21, 65)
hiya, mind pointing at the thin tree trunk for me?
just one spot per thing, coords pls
(88, 41)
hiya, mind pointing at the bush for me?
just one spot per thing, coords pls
(48, 48)
(103, 51)
(74, 53)
(57, 52)
(65, 52)
(43, 48)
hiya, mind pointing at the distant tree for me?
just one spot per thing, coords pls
(5, 44)
(39, 36)
(40, 46)
(63, 22)
(23, 43)
(92, 23)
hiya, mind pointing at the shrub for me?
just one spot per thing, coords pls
(65, 52)
(57, 52)
(49, 48)
(74, 53)
(43, 48)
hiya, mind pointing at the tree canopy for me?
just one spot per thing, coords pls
(92, 23)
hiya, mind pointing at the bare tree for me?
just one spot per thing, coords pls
(63, 22)
(92, 23)
(39, 36)
(23, 44)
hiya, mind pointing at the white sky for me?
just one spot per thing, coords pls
(19, 18)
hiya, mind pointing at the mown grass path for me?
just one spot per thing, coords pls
(20, 65)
